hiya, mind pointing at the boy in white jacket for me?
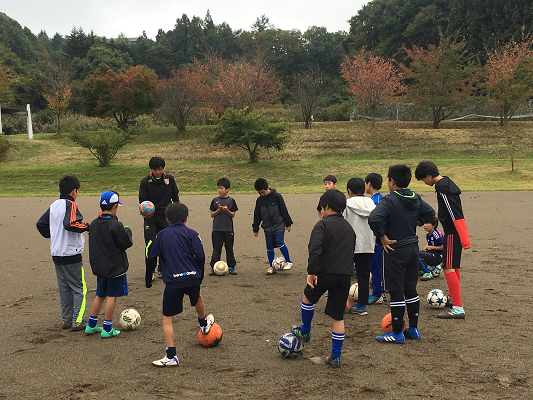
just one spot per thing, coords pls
(358, 208)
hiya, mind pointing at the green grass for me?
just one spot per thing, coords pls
(475, 155)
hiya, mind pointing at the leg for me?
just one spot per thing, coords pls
(270, 253)
(217, 239)
(200, 307)
(75, 277)
(452, 250)
(97, 306)
(375, 269)
(168, 331)
(150, 231)
(229, 239)
(362, 267)
(110, 307)
(337, 340)
(65, 296)
(280, 242)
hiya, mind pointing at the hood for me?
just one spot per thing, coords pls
(446, 185)
(407, 197)
(360, 205)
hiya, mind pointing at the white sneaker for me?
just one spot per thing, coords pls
(165, 362)
(271, 271)
(153, 276)
(210, 321)
(287, 266)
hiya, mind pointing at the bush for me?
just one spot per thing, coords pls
(4, 147)
(103, 143)
(335, 112)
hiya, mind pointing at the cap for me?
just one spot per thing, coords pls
(108, 198)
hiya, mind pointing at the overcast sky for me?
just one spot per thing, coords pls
(109, 18)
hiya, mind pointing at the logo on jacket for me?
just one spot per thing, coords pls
(184, 274)
(167, 181)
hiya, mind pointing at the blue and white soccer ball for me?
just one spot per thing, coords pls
(437, 298)
(290, 346)
(278, 263)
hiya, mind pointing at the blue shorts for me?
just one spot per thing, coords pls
(112, 287)
(276, 240)
(173, 299)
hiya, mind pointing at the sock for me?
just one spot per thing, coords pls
(337, 340)
(270, 255)
(397, 309)
(93, 321)
(455, 288)
(108, 325)
(423, 266)
(308, 310)
(413, 310)
(285, 251)
(202, 322)
(171, 352)
(458, 273)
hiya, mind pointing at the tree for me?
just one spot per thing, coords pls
(103, 143)
(249, 131)
(308, 90)
(58, 91)
(181, 96)
(98, 54)
(509, 76)
(58, 102)
(372, 80)
(443, 77)
(6, 82)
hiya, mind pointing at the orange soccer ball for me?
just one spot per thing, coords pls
(386, 323)
(347, 305)
(212, 338)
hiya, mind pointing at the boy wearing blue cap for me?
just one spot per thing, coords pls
(108, 241)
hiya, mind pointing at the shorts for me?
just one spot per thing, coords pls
(338, 287)
(276, 240)
(400, 268)
(451, 251)
(112, 287)
(173, 299)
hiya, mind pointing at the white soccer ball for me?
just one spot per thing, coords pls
(437, 298)
(278, 263)
(129, 319)
(354, 292)
(290, 346)
(220, 268)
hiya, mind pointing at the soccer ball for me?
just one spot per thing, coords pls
(129, 319)
(211, 338)
(354, 292)
(437, 298)
(146, 208)
(386, 323)
(289, 346)
(220, 268)
(278, 263)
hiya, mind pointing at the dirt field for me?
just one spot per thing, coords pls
(486, 356)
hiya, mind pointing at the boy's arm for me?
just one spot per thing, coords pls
(72, 219)
(456, 213)
(284, 212)
(199, 255)
(257, 218)
(315, 247)
(143, 192)
(378, 218)
(122, 237)
(43, 224)
(175, 191)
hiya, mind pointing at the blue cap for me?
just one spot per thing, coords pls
(108, 198)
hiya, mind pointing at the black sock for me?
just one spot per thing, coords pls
(171, 352)
(202, 321)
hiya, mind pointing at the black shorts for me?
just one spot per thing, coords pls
(400, 268)
(112, 287)
(173, 299)
(338, 287)
(451, 251)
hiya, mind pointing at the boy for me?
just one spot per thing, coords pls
(270, 211)
(223, 210)
(160, 188)
(62, 224)
(108, 241)
(330, 182)
(431, 257)
(330, 267)
(181, 253)
(455, 232)
(394, 221)
(373, 183)
(358, 208)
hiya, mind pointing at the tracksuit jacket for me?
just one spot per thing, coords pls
(271, 212)
(357, 211)
(160, 192)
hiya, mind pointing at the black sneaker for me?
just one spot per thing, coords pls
(297, 331)
(212, 273)
(66, 325)
(335, 362)
(232, 271)
(78, 326)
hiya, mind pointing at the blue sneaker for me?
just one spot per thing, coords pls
(427, 276)
(391, 337)
(358, 309)
(412, 333)
(232, 271)
(375, 299)
(297, 331)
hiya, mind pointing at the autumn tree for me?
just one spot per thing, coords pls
(57, 86)
(6, 82)
(181, 96)
(509, 76)
(58, 102)
(371, 79)
(309, 91)
(443, 77)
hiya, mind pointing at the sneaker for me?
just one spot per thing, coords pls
(66, 325)
(427, 276)
(212, 273)
(153, 276)
(452, 313)
(159, 275)
(391, 337)
(297, 331)
(436, 271)
(412, 333)
(287, 266)
(210, 321)
(166, 362)
(232, 271)
(356, 309)
(78, 326)
(375, 299)
(90, 331)
(112, 333)
(335, 362)
(271, 271)
(326, 293)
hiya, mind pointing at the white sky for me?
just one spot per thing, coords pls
(112, 17)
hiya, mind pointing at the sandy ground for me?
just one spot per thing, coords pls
(486, 356)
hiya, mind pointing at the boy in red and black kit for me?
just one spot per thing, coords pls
(160, 188)
(455, 232)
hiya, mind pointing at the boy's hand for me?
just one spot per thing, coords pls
(256, 233)
(288, 228)
(312, 280)
(386, 242)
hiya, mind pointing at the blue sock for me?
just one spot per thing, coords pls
(285, 251)
(270, 255)
(308, 310)
(93, 321)
(108, 325)
(423, 266)
(337, 339)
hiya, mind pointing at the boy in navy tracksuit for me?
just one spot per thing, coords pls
(182, 257)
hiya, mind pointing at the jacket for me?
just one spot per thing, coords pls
(397, 216)
(271, 212)
(331, 247)
(62, 224)
(160, 191)
(181, 254)
(108, 241)
(357, 211)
